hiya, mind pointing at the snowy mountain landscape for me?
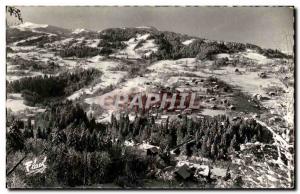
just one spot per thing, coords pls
(62, 86)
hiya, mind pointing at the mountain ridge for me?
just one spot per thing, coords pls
(171, 44)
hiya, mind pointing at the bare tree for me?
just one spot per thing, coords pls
(13, 11)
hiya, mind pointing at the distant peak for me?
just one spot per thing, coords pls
(143, 27)
(146, 27)
(79, 30)
(30, 25)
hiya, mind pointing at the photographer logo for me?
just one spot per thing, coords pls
(34, 166)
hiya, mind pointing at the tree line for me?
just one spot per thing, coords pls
(84, 152)
(42, 88)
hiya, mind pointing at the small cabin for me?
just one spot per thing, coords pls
(152, 151)
(183, 172)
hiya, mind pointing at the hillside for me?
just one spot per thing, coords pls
(63, 84)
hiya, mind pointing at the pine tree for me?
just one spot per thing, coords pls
(167, 125)
(190, 127)
(228, 175)
(29, 123)
(179, 135)
(233, 145)
(31, 133)
(39, 133)
(44, 132)
(71, 141)
(173, 135)
(204, 147)
(254, 139)
(48, 131)
(213, 151)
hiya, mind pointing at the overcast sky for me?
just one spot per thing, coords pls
(269, 27)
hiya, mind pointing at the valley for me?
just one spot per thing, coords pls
(241, 136)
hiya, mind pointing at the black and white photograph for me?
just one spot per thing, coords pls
(150, 97)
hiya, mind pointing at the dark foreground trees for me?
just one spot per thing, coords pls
(82, 152)
(41, 89)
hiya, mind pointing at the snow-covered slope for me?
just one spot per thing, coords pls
(187, 42)
(128, 68)
(29, 25)
(138, 47)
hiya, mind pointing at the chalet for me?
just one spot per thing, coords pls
(214, 107)
(153, 151)
(187, 111)
(216, 87)
(262, 75)
(236, 118)
(231, 107)
(274, 119)
(212, 99)
(183, 172)
(256, 116)
(272, 94)
(224, 101)
(178, 111)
